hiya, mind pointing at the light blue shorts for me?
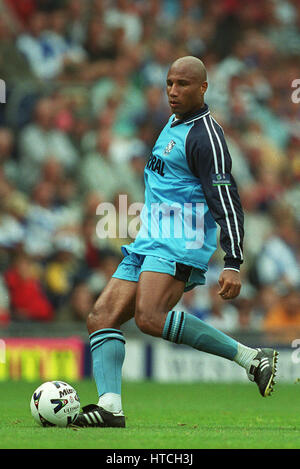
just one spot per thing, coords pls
(134, 264)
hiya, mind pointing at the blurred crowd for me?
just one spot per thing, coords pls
(85, 101)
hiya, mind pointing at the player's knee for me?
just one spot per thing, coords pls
(100, 317)
(143, 324)
(144, 320)
(95, 319)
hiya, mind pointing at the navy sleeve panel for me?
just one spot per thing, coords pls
(209, 160)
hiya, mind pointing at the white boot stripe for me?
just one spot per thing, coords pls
(93, 418)
(264, 366)
(98, 416)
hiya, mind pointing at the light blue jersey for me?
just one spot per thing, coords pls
(188, 190)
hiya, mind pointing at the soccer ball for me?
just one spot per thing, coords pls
(55, 403)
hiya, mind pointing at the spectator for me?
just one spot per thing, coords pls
(68, 55)
(190, 303)
(22, 10)
(8, 164)
(120, 92)
(155, 110)
(31, 44)
(4, 303)
(81, 301)
(62, 271)
(100, 42)
(156, 67)
(98, 172)
(222, 315)
(249, 318)
(39, 141)
(92, 251)
(28, 300)
(123, 15)
(14, 67)
(12, 229)
(43, 221)
(77, 14)
(283, 318)
(278, 259)
(99, 277)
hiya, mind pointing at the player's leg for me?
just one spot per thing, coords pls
(158, 293)
(114, 306)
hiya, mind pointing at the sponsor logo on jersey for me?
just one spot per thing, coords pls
(221, 179)
(156, 164)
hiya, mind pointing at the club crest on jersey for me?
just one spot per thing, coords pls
(169, 147)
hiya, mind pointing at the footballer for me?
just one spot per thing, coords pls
(189, 191)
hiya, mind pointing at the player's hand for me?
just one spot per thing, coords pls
(230, 284)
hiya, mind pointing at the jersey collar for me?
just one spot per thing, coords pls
(204, 111)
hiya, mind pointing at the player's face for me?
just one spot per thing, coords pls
(185, 91)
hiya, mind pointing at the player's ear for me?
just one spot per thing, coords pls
(204, 87)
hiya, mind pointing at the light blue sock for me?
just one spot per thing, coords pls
(184, 328)
(108, 353)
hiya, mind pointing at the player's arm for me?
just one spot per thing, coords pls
(209, 159)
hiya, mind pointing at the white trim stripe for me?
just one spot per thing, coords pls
(185, 140)
(220, 146)
(226, 188)
(217, 124)
(196, 118)
(219, 189)
(235, 222)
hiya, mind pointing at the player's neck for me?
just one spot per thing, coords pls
(192, 112)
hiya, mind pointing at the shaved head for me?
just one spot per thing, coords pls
(192, 66)
(186, 85)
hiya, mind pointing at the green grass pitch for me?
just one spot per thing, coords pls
(169, 416)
